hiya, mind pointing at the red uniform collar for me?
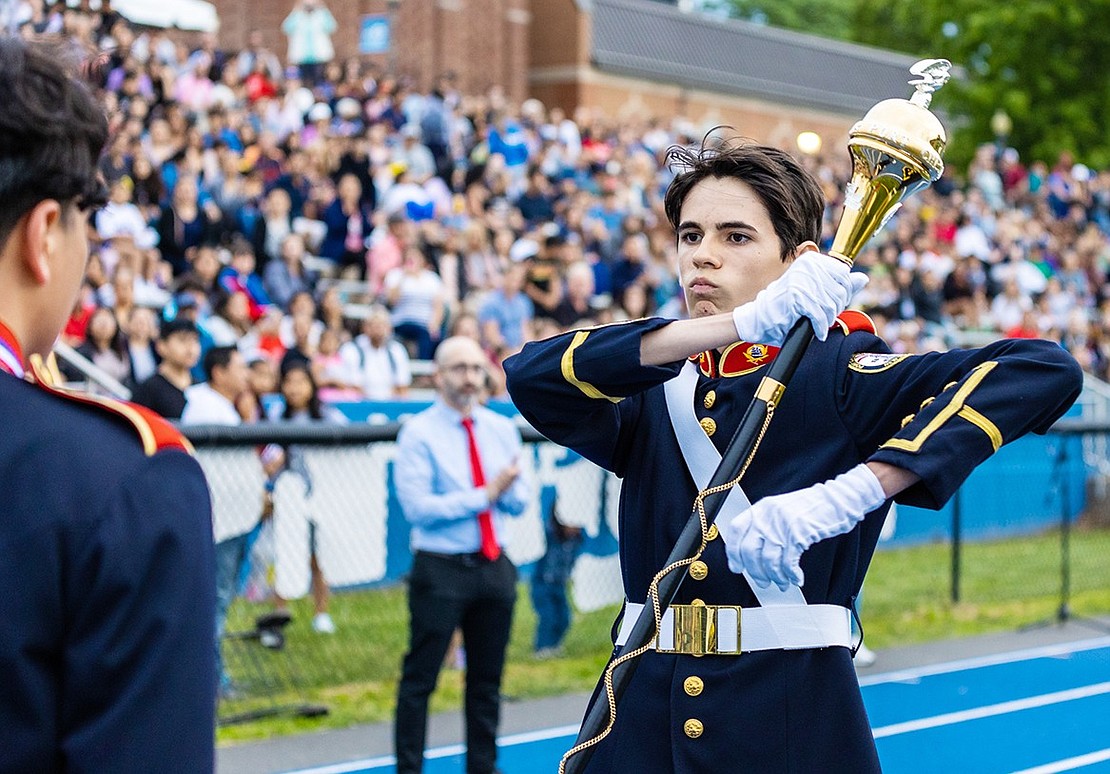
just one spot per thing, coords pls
(744, 357)
(11, 354)
(736, 360)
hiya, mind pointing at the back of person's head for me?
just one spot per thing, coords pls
(792, 197)
(51, 132)
(217, 357)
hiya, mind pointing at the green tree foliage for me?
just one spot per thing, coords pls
(827, 18)
(1045, 63)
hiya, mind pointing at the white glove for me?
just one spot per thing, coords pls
(768, 539)
(814, 285)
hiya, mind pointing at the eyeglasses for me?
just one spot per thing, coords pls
(464, 368)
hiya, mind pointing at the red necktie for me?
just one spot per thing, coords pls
(490, 549)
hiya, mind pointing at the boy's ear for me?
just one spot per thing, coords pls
(38, 232)
(805, 247)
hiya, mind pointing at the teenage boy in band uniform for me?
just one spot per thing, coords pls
(657, 401)
(106, 556)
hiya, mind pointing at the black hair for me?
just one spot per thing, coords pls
(792, 197)
(217, 357)
(315, 410)
(52, 131)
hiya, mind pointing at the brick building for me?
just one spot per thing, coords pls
(484, 42)
(620, 57)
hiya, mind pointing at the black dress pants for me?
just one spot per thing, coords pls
(475, 595)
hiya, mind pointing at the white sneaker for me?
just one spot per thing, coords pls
(323, 623)
(865, 657)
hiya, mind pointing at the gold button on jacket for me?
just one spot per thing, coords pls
(712, 533)
(693, 728)
(693, 685)
(699, 570)
(708, 425)
(709, 399)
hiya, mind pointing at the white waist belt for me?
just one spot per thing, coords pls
(731, 630)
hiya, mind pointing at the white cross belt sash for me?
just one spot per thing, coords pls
(702, 459)
(729, 630)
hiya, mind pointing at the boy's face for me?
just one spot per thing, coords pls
(261, 377)
(181, 350)
(728, 250)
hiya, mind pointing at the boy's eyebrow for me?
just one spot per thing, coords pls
(724, 226)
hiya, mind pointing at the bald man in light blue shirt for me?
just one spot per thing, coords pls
(458, 480)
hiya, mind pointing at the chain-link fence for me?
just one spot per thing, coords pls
(1022, 543)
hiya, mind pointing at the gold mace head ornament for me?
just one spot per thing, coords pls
(896, 151)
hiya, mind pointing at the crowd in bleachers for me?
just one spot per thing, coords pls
(346, 216)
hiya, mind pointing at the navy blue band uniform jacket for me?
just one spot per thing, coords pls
(107, 571)
(851, 400)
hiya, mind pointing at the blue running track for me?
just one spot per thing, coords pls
(1037, 711)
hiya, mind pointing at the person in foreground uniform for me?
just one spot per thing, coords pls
(657, 401)
(458, 480)
(105, 532)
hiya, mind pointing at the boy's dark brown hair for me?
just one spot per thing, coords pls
(791, 195)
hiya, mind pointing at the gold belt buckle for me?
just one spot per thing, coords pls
(695, 629)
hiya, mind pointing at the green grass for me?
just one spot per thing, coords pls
(1004, 585)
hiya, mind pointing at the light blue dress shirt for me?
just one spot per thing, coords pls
(435, 485)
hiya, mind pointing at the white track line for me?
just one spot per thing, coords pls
(443, 752)
(1045, 651)
(1068, 764)
(1017, 705)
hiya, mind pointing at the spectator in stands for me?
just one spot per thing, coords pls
(1010, 306)
(379, 361)
(178, 346)
(122, 219)
(141, 329)
(414, 156)
(255, 54)
(106, 348)
(204, 270)
(213, 400)
(458, 480)
(230, 321)
(506, 315)
(262, 382)
(576, 310)
(414, 293)
(337, 380)
(285, 278)
(387, 245)
(303, 349)
(348, 223)
(632, 266)
(331, 312)
(239, 276)
(183, 223)
(309, 28)
(119, 294)
(544, 276)
(301, 304)
(536, 204)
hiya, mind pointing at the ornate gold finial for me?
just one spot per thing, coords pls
(934, 74)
